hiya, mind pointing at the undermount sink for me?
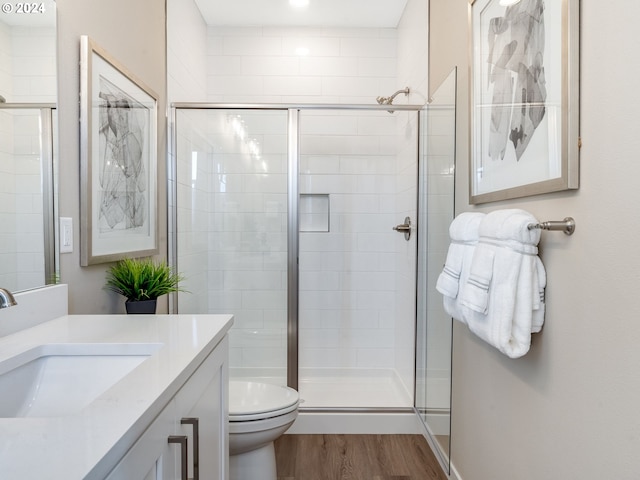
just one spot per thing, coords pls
(54, 380)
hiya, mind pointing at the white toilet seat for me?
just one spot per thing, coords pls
(250, 401)
(259, 413)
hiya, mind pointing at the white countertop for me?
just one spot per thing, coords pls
(88, 444)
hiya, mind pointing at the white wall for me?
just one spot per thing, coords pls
(569, 408)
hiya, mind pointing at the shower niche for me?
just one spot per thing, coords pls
(314, 212)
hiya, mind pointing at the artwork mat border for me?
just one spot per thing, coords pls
(88, 243)
(570, 116)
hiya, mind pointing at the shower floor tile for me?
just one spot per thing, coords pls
(340, 388)
(353, 391)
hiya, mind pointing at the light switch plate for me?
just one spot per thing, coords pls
(66, 235)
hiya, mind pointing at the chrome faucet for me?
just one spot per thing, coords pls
(6, 299)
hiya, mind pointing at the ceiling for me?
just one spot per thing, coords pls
(319, 13)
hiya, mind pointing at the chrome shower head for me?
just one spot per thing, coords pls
(389, 100)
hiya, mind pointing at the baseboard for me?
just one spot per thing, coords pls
(454, 475)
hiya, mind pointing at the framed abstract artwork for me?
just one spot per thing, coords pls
(118, 143)
(525, 136)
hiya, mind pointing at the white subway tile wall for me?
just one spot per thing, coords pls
(186, 53)
(300, 65)
(28, 200)
(27, 75)
(8, 218)
(413, 61)
(193, 188)
(34, 64)
(348, 275)
(232, 224)
(6, 62)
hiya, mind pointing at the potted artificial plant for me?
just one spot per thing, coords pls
(142, 281)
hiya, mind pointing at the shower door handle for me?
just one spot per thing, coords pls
(404, 228)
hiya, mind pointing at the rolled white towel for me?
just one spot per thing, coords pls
(539, 303)
(463, 232)
(503, 299)
(476, 288)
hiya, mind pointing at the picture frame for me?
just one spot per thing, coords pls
(524, 85)
(118, 160)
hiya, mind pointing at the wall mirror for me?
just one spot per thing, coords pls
(434, 326)
(28, 91)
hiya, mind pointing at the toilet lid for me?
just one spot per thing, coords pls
(255, 399)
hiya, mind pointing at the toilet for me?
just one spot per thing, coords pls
(258, 414)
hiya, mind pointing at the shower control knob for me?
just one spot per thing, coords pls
(404, 228)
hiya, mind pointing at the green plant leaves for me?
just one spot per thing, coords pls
(142, 279)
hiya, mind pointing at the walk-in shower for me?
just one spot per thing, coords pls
(289, 217)
(285, 218)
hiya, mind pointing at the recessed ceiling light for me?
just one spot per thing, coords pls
(299, 3)
(508, 3)
(302, 51)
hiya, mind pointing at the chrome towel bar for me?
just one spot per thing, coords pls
(568, 225)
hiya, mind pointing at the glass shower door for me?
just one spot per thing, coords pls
(356, 286)
(345, 177)
(232, 229)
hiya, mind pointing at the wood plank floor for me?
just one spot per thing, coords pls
(356, 457)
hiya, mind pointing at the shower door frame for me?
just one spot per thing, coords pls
(293, 158)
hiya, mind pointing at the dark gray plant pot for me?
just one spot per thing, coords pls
(142, 306)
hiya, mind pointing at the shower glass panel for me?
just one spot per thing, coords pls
(26, 196)
(231, 186)
(434, 326)
(244, 178)
(358, 179)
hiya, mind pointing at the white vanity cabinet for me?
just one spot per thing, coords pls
(198, 412)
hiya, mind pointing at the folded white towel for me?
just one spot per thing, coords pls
(539, 305)
(476, 288)
(502, 300)
(463, 232)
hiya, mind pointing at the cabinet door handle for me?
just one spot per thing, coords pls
(182, 440)
(196, 444)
